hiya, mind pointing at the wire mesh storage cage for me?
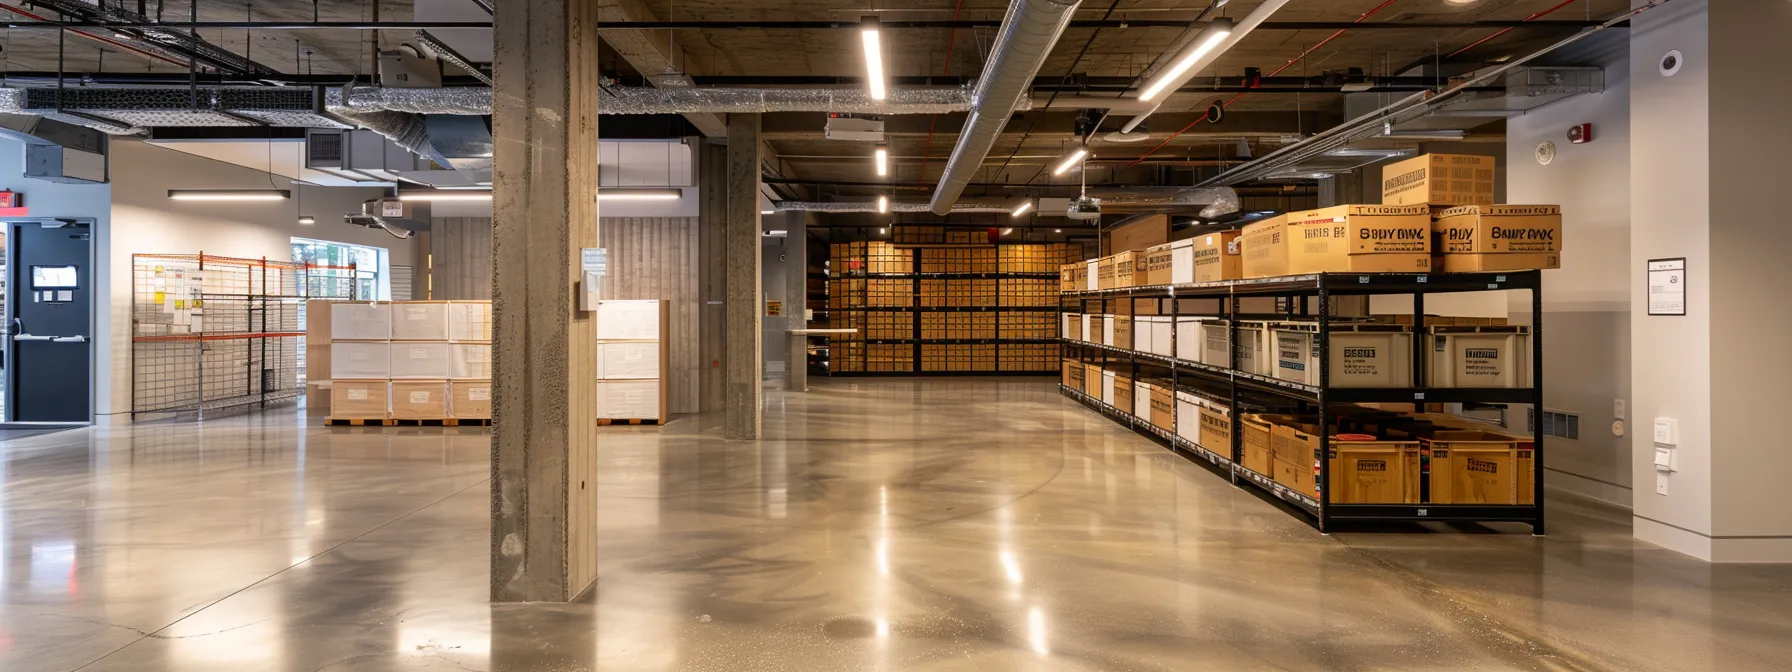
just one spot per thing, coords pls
(210, 333)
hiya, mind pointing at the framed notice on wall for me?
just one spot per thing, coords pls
(1667, 286)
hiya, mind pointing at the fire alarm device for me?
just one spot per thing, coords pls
(1580, 134)
(9, 199)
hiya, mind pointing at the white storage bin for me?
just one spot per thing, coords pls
(1068, 328)
(422, 361)
(1188, 338)
(1161, 332)
(1107, 387)
(628, 320)
(1362, 355)
(470, 360)
(1141, 332)
(628, 399)
(470, 321)
(1182, 262)
(1480, 356)
(1188, 416)
(628, 361)
(1107, 330)
(1094, 282)
(1216, 345)
(360, 321)
(420, 321)
(360, 361)
(1141, 401)
(1086, 329)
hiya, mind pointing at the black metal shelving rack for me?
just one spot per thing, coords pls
(1242, 385)
(915, 276)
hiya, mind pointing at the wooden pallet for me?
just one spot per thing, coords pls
(606, 422)
(359, 422)
(407, 422)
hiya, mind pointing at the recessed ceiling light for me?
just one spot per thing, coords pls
(874, 56)
(882, 158)
(883, 204)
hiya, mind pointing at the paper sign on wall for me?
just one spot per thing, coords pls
(1667, 286)
(774, 308)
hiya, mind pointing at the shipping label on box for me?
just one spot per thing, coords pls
(1498, 228)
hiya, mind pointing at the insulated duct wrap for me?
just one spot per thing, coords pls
(1214, 201)
(1027, 35)
(852, 206)
(647, 100)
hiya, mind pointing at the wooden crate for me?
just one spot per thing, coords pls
(1375, 472)
(419, 399)
(470, 399)
(1479, 467)
(359, 400)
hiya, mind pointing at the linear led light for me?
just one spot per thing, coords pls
(1024, 207)
(640, 194)
(1070, 162)
(443, 196)
(767, 212)
(307, 220)
(882, 157)
(1209, 39)
(883, 204)
(874, 56)
(777, 232)
(229, 194)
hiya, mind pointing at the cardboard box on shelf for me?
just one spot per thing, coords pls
(1439, 179)
(1356, 239)
(359, 399)
(1104, 273)
(360, 321)
(470, 399)
(1092, 275)
(1073, 326)
(1216, 345)
(1141, 332)
(1362, 355)
(1182, 262)
(1216, 257)
(1254, 434)
(1163, 407)
(420, 400)
(1158, 264)
(1504, 229)
(1092, 380)
(1484, 263)
(1107, 387)
(1122, 327)
(1188, 415)
(1480, 467)
(1215, 432)
(1093, 329)
(1129, 269)
(1073, 374)
(1188, 339)
(1067, 277)
(1299, 478)
(1374, 472)
(1141, 399)
(422, 361)
(1295, 442)
(1264, 247)
(1490, 356)
(1123, 391)
(420, 321)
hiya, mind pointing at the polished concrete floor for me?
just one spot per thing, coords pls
(890, 524)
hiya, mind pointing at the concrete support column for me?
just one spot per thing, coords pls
(742, 239)
(544, 373)
(1704, 172)
(796, 282)
(712, 271)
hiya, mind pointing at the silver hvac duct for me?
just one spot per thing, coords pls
(868, 206)
(1214, 201)
(648, 100)
(1028, 33)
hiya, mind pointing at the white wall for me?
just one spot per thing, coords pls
(143, 220)
(1586, 322)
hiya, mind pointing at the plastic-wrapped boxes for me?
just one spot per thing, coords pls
(355, 321)
(1362, 355)
(421, 361)
(352, 361)
(1496, 356)
(628, 399)
(420, 321)
(628, 360)
(470, 360)
(1216, 345)
(470, 321)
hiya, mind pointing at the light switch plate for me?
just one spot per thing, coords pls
(1618, 409)
(1661, 483)
(1667, 431)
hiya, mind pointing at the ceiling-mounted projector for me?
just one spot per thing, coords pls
(1084, 208)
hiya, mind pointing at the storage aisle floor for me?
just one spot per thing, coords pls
(893, 524)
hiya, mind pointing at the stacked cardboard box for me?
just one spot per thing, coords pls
(1390, 458)
(632, 359)
(1473, 238)
(414, 360)
(889, 325)
(1341, 239)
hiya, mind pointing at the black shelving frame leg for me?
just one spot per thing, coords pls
(1229, 307)
(1325, 434)
(1537, 527)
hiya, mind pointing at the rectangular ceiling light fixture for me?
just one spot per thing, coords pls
(639, 194)
(874, 56)
(229, 194)
(1178, 73)
(1070, 161)
(456, 195)
(883, 204)
(1024, 207)
(882, 157)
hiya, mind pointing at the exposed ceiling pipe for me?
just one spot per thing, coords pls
(1250, 23)
(648, 100)
(447, 54)
(1406, 109)
(1028, 33)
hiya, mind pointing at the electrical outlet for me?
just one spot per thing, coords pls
(1661, 483)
